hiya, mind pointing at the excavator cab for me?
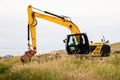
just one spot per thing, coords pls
(77, 44)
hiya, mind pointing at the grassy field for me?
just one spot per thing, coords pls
(50, 67)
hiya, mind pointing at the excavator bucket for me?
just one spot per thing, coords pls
(26, 58)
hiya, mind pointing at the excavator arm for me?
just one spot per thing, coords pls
(32, 22)
(49, 17)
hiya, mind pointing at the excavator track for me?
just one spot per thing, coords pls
(105, 51)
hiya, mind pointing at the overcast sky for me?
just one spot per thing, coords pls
(97, 18)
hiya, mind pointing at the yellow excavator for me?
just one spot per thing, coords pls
(76, 42)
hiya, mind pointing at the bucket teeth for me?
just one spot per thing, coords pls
(25, 58)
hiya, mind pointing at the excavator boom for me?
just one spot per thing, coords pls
(32, 22)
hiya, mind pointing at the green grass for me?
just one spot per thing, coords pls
(115, 45)
(31, 73)
(64, 68)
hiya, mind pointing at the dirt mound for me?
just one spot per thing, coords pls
(115, 47)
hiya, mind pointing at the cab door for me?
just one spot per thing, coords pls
(77, 44)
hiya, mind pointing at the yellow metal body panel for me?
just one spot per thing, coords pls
(97, 50)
